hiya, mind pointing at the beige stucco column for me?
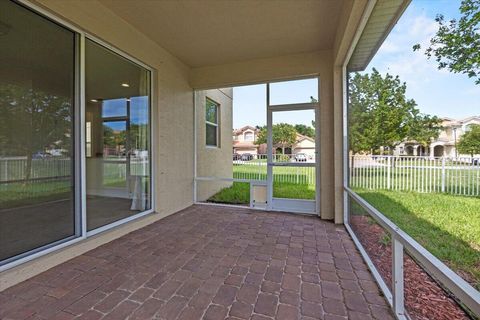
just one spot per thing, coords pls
(326, 114)
(339, 137)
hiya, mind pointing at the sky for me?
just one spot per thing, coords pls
(437, 92)
(118, 108)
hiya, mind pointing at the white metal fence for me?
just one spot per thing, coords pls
(254, 167)
(459, 176)
(14, 169)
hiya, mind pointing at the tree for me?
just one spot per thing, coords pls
(469, 142)
(424, 129)
(283, 136)
(33, 121)
(456, 45)
(305, 130)
(380, 115)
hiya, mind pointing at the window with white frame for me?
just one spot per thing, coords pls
(211, 123)
(248, 136)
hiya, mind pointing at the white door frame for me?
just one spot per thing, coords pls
(292, 205)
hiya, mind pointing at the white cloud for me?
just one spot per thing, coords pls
(436, 91)
(396, 55)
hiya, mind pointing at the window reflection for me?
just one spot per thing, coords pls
(36, 132)
(118, 110)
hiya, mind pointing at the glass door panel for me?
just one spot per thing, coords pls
(293, 160)
(118, 153)
(37, 141)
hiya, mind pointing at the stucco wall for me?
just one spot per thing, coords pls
(214, 161)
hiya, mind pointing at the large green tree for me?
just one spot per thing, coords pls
(32, 121)
(380, 115)
(456, 45)
(284, 135)
(469, 142)
(305, 130)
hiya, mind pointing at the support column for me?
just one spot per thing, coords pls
(327, 149)
(339, 138)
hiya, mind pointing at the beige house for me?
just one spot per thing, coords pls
(244, 141)
(305, 145)
(445, 144)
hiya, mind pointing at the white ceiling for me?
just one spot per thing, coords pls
(210, 32)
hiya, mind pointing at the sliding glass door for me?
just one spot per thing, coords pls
(118, 137)
(37, 136)
(44, 129)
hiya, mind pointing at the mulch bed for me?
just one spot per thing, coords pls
(424, 298)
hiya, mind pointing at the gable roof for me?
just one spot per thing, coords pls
(243, 129)
(301, 137)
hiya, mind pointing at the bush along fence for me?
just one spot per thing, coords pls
(459, 176)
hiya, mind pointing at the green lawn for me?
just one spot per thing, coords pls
(446, 225)
(22, 194)
(38, 191)
(257, 170)
(239, 192)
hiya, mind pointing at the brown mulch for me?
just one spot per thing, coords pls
(424, 298)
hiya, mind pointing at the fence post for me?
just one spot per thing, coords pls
(397, 277)
(443, 174)
(389, 160)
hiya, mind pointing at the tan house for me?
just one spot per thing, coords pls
(244, 141)
(445, 144)
(305, 145)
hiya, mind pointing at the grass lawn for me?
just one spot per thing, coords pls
(257, 170)
(446, 225)
(23, 194)
(19, 194)
(239, 192)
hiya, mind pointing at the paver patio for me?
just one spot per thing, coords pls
(208, 262)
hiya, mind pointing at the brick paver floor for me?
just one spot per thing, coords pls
(209, 262)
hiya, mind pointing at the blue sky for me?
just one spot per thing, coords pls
(249, 102)
(437, 92)
(117, 108)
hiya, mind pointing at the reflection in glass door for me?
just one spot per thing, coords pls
(115, 155)
(37, 133)
(117, 137)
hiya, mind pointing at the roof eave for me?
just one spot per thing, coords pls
(358, 61)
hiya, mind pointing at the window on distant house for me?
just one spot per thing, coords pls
(211, 123)
(249, 136)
